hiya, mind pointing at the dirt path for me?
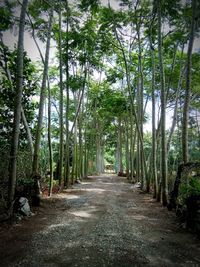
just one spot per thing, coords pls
(103, 222)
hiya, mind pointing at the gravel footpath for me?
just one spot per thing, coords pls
(104, 221)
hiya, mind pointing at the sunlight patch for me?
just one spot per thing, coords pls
(139, 217)
(83, 214)
(71, 197)
(53, 226)
(98, 190)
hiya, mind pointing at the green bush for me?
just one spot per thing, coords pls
(189, 188)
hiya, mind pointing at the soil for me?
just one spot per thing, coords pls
(104, 221)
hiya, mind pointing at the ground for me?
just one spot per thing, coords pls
(105, 221)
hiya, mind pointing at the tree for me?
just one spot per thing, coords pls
(154, 165)
(9, 68)
(61, 97)
(42, 98)
(163, 113)
(188, 85)
(17, 111)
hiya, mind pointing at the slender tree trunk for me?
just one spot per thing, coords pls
(131, 155)
(85, 153)
(132, 103)
(80, 99)
(188, 87)
(138, 175)
(75, 156)
(28, 131)
(163, 114)
(73, 163)
(102, 157)
(119, 148)
(98, 148)
(42, 100)
(140, 107)
(17, 110)
(80, 146)
(61, 145)
(34, 38)
(127, 151)
(172, 70)
(86, 141)
(198, 127)
(49, 142)
(76, 152)
(67, 137)
(174, 120)
(154, 148)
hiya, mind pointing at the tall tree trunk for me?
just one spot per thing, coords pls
(163, 114)
(133, 164)
(140, 105)
(49, 142)
(119, 148)
(138, 159)
(61, 145)
(85, 153)
(102, 157)
(42, 99)
(80, 136)
(188, 87)
(17, 110)
(67, 137)
(154, 149)
(174, 120)
(132, 102)
(127, 150)
(98, 148)
(86, 141)
(76, 151)
(131, 155)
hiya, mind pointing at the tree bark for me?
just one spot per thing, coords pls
(163, 114)
(49, 142)
(17, 110)
(98, 148)
(127, 150)
(140, 106)
(119, 148)
(154, 148)
(67, 137)
(61, 146)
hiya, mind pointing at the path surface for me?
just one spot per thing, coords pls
(103, 222)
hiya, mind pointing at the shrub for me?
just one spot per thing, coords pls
(188, 188)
